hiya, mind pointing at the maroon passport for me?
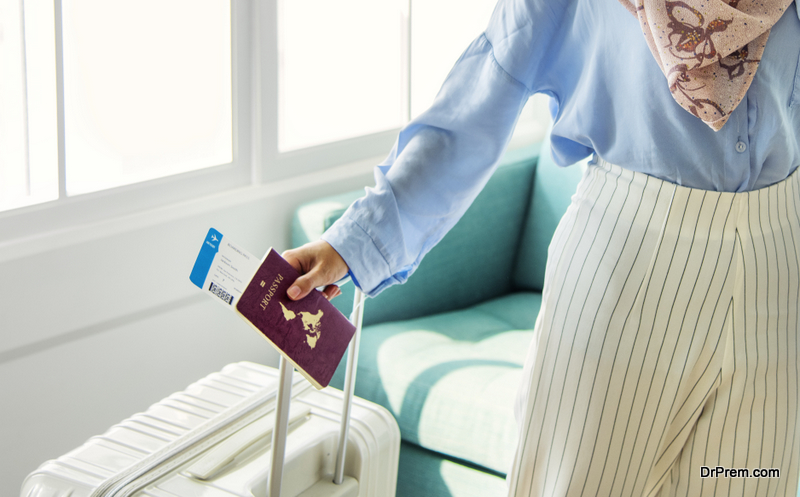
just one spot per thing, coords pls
(311, 333)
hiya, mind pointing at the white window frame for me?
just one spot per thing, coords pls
(66, 212)
(256, 162)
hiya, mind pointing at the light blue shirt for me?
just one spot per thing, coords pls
(608, 96)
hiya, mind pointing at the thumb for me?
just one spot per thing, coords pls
(304, 284)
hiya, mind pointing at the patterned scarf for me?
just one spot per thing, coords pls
(708, 49)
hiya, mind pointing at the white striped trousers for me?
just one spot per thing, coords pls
(667, 341)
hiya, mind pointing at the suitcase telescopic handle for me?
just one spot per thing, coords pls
(285, 396)
(349, 384)
(285, 371)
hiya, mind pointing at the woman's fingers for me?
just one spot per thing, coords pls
(331, 291)
(320, 266)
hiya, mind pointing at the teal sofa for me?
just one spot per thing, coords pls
(444, 352)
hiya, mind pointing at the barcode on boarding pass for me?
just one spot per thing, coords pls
(219, 292)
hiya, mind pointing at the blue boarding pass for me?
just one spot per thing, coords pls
(223, 268)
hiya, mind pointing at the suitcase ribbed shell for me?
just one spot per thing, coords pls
(159, 446)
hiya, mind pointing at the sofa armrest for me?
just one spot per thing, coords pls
(474, 262)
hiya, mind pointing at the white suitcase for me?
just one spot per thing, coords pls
(193, 422)
(215, 439)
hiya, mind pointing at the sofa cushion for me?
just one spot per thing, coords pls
(450, 379)
(426, 473)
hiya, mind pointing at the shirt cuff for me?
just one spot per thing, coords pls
(353, 278)
(367, 267)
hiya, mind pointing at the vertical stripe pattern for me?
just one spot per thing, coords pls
(667, 341)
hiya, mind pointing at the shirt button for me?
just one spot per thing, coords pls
(741, 146)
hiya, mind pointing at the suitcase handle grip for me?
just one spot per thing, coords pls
(222, 454)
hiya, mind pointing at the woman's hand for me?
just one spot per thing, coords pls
(320, 265)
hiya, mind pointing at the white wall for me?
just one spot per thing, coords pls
(98, 322)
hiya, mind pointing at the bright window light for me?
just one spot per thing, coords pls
(440, 31)
(340, 70)
(28, 154)
(147, 90)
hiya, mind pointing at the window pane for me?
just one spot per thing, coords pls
(341, 69)
(147, 88)
(440, 31)
(28, 153)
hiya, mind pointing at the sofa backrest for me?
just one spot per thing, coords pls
(474, 262)
(553, 187)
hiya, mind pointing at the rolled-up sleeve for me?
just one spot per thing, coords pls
(440, 162)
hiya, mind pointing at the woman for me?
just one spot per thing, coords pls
(668, 337)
